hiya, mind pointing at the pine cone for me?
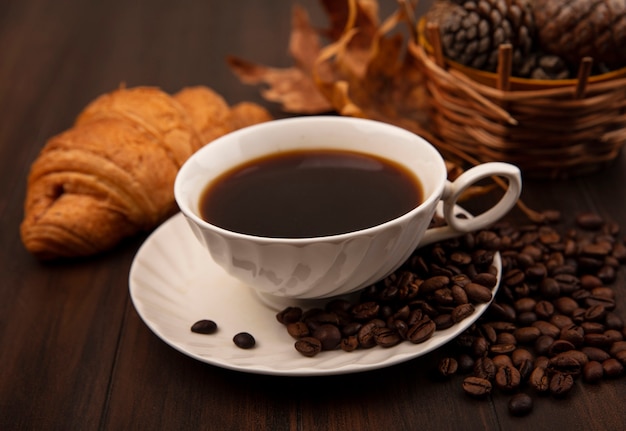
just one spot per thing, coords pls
(544, 66)
(473, 30)
(574, 29)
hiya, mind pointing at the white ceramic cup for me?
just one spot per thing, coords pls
(321, 267)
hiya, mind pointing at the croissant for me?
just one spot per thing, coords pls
(111, 175)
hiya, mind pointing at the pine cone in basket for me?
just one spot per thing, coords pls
(544, 66)
(574, 29)
(473, 30)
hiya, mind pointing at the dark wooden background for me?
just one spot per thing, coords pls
(74, 354)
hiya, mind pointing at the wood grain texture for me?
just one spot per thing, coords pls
(74, 354)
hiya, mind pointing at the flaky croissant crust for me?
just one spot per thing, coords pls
(111, 175)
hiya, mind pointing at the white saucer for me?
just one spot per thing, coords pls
(174, 283)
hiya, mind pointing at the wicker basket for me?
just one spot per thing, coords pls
(547, 128)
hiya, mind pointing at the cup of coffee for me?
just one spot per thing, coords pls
(319, 206)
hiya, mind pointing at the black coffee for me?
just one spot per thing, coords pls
(308, 193)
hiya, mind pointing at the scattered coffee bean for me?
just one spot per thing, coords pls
(476, 386)
(204, 326)
(244, 340)
(520, 404)
(448, 366)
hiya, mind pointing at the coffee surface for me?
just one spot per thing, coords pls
(309, 193)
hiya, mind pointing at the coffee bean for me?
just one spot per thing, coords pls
(595, 313)
(618, 346)
(513, 277)
(520, 404)
(366, 335)
(527, 334)
(561, 384)
(204, 326)
(549, 288)
(448, 366)
(386, 337)
(592, 327)
(568, 283)
(502, 348)
(443, 297)
(612, 368)
(289, 315)
(607, 303)
(565, 305)
(502, 312)
(433, 283)
(593, 372)
(478, 293)
(351, 328)
(329, 335)
(597, 340)
(485, 368)
(461, 312)
(244, 340)
(485, 279)
(466, 363)
(298, 329)
(560, 346)
(488, 332)
(589, 221)
(458, 294)
(589, 281)
(539, 379)
(595, 354)
(308, 346)
(621, 357)
(506, 338)
(547, 328)
(479, 346)
(366, 310)
(607, 274)
(519, 355)
(443, 321)
(507, 378)
(421, 331)
(502, 360)
(574, 334)
(476, 386)
(349, 344)
(543, 343)
(569, 362)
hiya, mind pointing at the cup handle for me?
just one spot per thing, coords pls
(453, 190)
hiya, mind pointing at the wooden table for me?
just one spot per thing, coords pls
(74, 354)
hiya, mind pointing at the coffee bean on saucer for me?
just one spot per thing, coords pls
(244, 340)
(204, 326)
(309, 346)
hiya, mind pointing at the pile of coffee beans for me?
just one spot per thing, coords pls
(552, 323)
(435, 289)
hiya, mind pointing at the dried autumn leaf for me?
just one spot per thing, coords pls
(387, 86)
(292, 87)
